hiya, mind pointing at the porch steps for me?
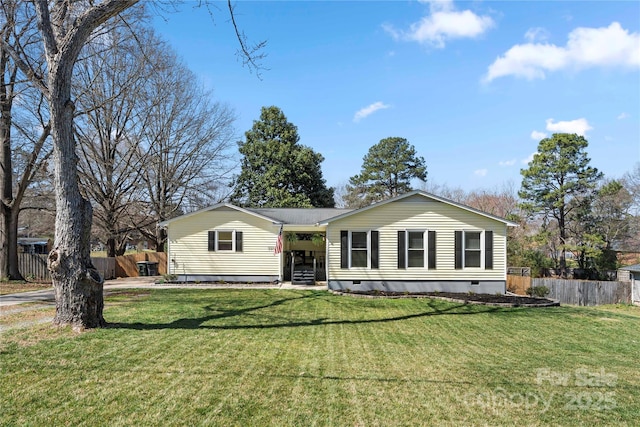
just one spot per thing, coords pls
(305, 276)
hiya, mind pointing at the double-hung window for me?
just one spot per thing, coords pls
(474, 249)
(416, 249)
(225, 241)
(359, 249)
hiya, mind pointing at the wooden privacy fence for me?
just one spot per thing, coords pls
(34, 267)
(126, 265)
(586, 292)
(518, 284)
(106, 267)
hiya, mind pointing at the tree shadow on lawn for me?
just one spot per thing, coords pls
(198, 322)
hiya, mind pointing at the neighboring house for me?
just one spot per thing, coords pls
(34, 245)
(414, 242)
(634, 277)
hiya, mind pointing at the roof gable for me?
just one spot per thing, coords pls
(323, 216)
(420, 196)
(218, 207)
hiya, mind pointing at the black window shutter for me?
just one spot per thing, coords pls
(344, 249)
(431, 256)
(488, 250)
(238, 241)
(212, 240)
(402, 251)
(375, 249)
(458, 250)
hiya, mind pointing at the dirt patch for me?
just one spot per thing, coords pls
(467, 298)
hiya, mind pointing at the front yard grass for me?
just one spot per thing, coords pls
(275, 357)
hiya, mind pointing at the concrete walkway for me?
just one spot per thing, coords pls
(46, 295)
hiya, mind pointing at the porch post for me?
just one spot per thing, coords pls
(326, 256)
(314, 269)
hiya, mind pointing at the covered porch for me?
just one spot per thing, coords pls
(304, 256)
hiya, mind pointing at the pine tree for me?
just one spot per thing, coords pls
(277, 171)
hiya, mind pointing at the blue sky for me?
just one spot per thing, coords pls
(473, 86)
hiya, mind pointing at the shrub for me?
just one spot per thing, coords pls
(538, 291)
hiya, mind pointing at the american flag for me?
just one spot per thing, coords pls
(278, 248)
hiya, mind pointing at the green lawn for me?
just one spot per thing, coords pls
(299, 358)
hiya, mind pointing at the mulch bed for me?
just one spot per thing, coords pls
(466, 298)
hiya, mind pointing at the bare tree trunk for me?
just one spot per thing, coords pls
(10, 243)
(161, 238)
(8, 214)
(78, 285)
(111, 247)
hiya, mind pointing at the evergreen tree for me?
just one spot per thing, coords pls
(387, 171)
(277, 172)
(557, 178)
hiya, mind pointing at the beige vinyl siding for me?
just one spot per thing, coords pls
(188, 244)
(417, 213)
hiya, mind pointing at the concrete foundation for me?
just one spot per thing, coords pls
(458, 286)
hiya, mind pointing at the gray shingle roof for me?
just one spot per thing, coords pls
(299, 216)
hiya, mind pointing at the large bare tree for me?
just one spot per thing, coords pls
(64, 27)
(186, 141)
(24, 128)
(110, 78)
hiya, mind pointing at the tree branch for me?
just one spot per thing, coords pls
(250, 55)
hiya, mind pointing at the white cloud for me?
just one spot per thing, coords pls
(578, 126)
(536, 34)
(611, 46)
(507, 162)
(480, 172)
(535, 135)
(368, 110)
(623, 116)
(442, 24)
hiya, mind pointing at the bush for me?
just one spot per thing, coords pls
(168, 278)
(538, 291)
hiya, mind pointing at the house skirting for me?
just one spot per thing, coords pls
(227, 278)
(458, 286)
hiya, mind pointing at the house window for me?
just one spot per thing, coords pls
(472, 248)
(417, 249)
(359, 249)
(225, 241)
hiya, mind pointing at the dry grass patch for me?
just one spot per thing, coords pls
(26, 314)
(14, 287)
